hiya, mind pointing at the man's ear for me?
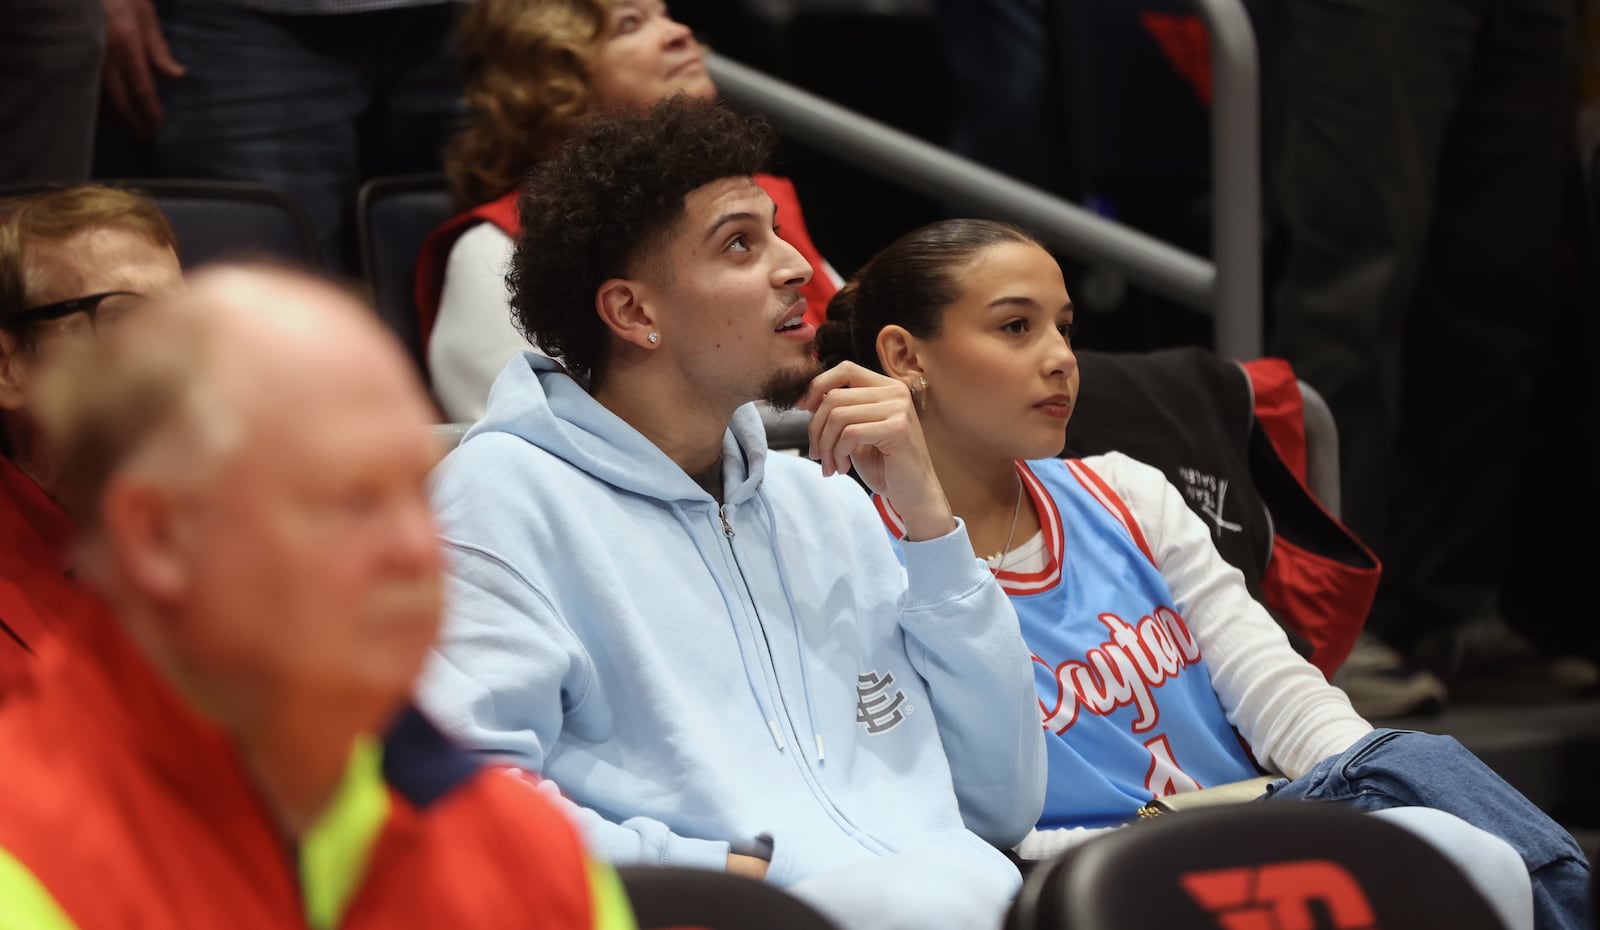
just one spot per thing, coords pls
(14, 372)
(620, 304)
(146, 529)
(899, 353)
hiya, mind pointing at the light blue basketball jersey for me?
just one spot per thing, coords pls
(1124, 692)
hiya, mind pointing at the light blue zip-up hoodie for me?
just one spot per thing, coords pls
(762, 677)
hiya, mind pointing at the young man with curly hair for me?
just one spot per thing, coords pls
(712, 651)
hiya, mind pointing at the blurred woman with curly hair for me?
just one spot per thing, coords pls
(533, 70)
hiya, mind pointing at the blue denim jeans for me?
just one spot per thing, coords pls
(1006, 112)
(1402, 768)
(50, 55)
(314, 104)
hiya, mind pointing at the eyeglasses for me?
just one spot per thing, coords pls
(89, 305)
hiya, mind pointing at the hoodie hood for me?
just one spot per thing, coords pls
(536, 400)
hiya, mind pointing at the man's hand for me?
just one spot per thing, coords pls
(748, 866)
(862, 418)
(135, 52)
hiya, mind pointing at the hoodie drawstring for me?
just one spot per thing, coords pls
(783, 581)
(734, 611)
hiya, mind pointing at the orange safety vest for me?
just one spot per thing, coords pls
(124, 808)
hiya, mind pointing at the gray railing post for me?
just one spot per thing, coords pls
(1235, 178)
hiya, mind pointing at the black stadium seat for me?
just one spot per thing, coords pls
(671, 897)
(224, 219)
(1265, 865)
(394, 214)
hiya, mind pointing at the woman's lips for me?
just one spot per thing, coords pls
(1059, 407)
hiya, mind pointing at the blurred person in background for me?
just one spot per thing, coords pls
(1418, 159)
(73, 264)
(310, 96)
(50, 57)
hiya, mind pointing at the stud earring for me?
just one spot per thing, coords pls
(654, 338)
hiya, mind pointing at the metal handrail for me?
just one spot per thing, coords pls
(1235, 177)
(1229, 288)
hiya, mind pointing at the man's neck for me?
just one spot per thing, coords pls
(710, 480)
(299, 771)
(297, 749)
(678, 420)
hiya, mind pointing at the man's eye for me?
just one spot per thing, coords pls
(629, 23)
(739, 243)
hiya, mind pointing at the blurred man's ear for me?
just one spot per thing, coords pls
(145, 528)
(14, 361)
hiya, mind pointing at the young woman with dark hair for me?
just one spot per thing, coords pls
(1156, 671)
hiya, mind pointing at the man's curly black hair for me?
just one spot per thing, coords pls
(605, 200)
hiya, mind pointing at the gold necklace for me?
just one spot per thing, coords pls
(1016, 511)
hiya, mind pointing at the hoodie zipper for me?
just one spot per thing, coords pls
(861, 836)
(727, 531)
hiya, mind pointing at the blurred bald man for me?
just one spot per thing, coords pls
(232, 743)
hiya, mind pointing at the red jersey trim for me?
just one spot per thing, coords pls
(1015, 583)
(891, 519)
(1018, 583)
(1097, 488)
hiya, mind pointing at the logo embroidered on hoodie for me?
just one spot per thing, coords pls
(878, 708)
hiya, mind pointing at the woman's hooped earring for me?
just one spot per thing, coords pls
(654, 338)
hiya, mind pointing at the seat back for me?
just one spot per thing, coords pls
(671, 897)
(786, 429)
(225, 219)
(1322, 449)
(394, 214)
(1198, 418)
(1262, 865)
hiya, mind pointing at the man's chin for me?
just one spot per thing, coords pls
(786, 386)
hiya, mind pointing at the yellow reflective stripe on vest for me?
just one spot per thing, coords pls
(24, 903)
(334, 854)
(611, 908)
